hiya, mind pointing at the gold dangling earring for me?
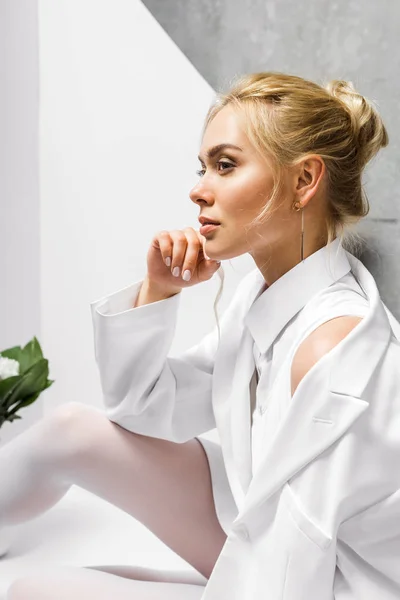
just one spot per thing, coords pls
(302, 233)
(297, 208)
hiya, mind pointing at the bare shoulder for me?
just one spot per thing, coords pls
(319, 343)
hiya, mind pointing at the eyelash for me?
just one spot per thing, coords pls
(201, 172)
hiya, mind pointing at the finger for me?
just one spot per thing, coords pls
(179, 242)
(192, 252)
(202, 240)
(165, 243)
(203, 243)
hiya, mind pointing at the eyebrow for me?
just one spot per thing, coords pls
(216, 149)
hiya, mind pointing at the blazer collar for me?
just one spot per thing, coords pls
(274, 308)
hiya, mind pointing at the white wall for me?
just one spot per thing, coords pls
(20, 309)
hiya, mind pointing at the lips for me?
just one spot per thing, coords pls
(204, 229)
(207, 221)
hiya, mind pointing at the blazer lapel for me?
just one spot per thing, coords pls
(313, 422)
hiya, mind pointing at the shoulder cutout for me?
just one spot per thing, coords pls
(319, 343)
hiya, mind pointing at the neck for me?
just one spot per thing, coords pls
(284, 256)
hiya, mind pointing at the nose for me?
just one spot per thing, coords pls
(200, 194)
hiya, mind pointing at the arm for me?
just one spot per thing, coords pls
(149, 293)
(145, 390)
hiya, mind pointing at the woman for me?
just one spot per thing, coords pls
(301, 500)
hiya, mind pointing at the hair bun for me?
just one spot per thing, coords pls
(368, 129)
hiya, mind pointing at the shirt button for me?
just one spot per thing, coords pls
(262, 409)
(242, 532)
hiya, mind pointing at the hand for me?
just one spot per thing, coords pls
(185, 248)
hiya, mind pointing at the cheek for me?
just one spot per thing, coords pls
(256, 198)
(259, 188)
(252, 189)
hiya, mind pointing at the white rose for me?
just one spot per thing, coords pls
(8, 367)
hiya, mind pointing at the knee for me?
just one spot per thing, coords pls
(38, 585)
(73, 413)
(78, 426)
(20, 589)
(68, 417)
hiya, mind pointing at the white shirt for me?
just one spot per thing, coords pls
(343, 297)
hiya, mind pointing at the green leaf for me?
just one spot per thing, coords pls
(10, 416)
(34, 380)
(19, 391)
(31, 354)
(13, 417)
(20, 403)
(27, 356)
(14, 353)
(49, 382)
(23, 403)
(6, 387)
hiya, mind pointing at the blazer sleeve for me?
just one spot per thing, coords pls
(145, 390)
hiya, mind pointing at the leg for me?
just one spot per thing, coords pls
(166, 486)
(74, 583)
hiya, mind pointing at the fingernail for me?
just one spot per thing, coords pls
(168, 261)
(176, 271)
(186, 275)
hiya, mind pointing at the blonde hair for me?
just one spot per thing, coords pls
(286, 118)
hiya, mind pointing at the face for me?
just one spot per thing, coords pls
(234, 186)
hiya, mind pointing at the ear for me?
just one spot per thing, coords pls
(309, 175)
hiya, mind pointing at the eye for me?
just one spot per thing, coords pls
(201, 172)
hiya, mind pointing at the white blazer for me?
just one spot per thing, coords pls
(320, 519)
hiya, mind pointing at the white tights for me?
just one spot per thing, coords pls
(166, 486)
(67, 583)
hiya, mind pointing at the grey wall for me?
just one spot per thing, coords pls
(319, 40)
(19, 186)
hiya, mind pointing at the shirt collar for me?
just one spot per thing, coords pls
(274, 308)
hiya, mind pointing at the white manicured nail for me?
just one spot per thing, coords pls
(176, 271)
(186, 275)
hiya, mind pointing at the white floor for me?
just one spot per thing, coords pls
(84, 530)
